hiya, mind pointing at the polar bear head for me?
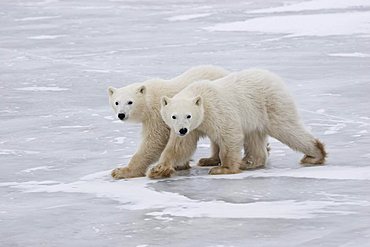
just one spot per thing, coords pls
(182, 115)
(128, 102)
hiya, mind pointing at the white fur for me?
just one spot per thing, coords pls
(236, 111)
(145, 109)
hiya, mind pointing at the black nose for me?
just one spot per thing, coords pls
(183, 131)
(121, 116)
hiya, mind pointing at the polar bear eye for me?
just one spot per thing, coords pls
(129, 103)
(188, 116)
(116, 103)
(173, 117)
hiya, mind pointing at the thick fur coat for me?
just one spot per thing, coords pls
(236, 111)
(140, 103)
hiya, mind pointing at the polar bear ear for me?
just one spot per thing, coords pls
(165, 101)
(111, 91)
(198, 100)
(141, 89)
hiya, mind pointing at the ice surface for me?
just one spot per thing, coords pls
(59, 139)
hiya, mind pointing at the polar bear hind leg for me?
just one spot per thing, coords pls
(255, 151)
(214, 160)
(297, 138)
(185, 166)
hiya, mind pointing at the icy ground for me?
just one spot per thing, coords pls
(59, 138)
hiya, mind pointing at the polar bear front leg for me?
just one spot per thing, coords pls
(230, 156)
(178, 151)
(214, 160)
(230, 163)
(151, 147)
(124, 172)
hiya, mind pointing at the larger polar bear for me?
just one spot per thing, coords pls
(241, 109)
(140, 103)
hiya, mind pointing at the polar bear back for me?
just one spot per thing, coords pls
(161, 87)
(252, 96)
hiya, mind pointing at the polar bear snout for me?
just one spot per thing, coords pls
(183, 131)
(121, 116)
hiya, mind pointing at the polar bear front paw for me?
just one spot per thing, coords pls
(183, 167)
(223, 170)
(125, 172)
(209, 162)
(160, 171)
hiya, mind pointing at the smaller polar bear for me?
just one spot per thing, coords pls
(140, 103)
(236, 111)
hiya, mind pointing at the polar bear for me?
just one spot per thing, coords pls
(241, 109)
(140, 103)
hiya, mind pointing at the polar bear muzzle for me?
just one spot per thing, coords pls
(121, 116)
(183, 131)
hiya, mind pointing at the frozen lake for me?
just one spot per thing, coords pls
(59, 139)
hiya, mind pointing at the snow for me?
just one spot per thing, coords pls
(353, 54)
(136, 194)
(187, 17)
(54, 89)
(315, 5)
(334, 129)
(75, 127)
(38, 168)
(37, 18)
(323, 172)
(46, 37)
(59, 139)
(119, 140)
(302, 25)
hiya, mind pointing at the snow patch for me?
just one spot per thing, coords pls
(37, 18)
(8, 111)
(36, 89)
(287, 209)
(318, 172)
(38, 169)
(119, 140)
(29, 183)
(74, 126)
(187, 17)
(320, 111)
(41, 37)
(327, 94)
(315, 5)
(98, 70)
(17, 152)
(353, 54)
(334, 129)
(303, 25)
